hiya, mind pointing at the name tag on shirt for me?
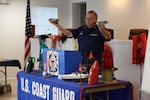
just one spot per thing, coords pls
(93, 34)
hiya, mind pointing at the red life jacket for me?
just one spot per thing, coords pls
(107, 57)
(139, 48)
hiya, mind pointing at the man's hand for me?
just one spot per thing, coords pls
(55, 22)
(66, 32)
(103, 30)
(101, 27)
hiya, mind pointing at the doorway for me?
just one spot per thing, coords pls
(79, 12)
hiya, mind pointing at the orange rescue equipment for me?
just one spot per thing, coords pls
(139, 48)
(94, 72)
(107, 58)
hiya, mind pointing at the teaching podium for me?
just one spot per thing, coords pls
(7, 63)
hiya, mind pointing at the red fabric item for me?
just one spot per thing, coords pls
(55, 39)
(139, 48)
(94, 72)
(91, 55)
(107, 58)
(80, 68)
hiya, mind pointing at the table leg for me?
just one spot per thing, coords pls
(8, 87)
(5, 76)
(91, 96)
(107, 95)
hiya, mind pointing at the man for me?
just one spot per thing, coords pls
(91, 37)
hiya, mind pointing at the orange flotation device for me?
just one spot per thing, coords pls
(107, 57)
(139, 48)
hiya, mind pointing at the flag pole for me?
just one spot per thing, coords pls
(28, 33)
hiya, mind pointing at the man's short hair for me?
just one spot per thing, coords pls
(91, 11)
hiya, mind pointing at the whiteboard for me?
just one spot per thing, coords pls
(145, 86)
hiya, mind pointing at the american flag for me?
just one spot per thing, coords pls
(28, 33)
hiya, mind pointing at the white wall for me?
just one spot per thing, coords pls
(12, 23)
